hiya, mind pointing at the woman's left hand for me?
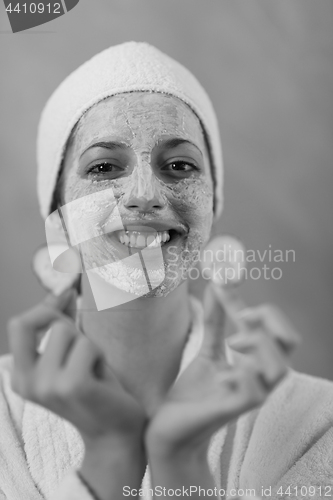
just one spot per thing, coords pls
(210, 392)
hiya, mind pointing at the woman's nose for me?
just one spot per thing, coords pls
(143, 192)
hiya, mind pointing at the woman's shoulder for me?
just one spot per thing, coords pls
(301, 405)
(11, 404)
(6, 363)
(308, 388)
(6, 368)
(312, 379)
(290, 437)
(300, 392)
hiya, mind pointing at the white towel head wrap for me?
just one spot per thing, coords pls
(128, 67)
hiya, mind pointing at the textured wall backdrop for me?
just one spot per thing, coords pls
(267, 66)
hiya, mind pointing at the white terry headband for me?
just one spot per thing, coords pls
(128, 67)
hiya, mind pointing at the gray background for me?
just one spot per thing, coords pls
(267, 65)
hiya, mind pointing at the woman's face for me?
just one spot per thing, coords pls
(139, 171)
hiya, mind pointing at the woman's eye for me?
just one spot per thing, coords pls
(103, 168)
(180, 166)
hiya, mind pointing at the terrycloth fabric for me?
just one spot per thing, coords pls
(127, 67)
(286, 442)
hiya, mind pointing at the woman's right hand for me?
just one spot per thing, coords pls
(70, 379)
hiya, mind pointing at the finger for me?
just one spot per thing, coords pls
(241, 391)
(247, 390)
(70, 309)
(231, 303)
(263, 354)
(214, 320)
(82, 359)
(23, 330)
(271, 320)
(59, 343)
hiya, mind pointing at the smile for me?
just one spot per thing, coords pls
(142, 239)
(148, 235)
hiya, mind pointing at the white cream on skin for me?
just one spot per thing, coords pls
(142, 178)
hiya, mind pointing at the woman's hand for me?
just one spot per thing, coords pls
(210, 392)
(71, 379)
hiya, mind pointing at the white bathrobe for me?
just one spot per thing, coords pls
(279, 450)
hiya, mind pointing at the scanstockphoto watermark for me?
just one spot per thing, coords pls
(189, 491)
(228, 265)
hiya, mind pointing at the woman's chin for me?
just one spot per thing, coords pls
(135, 282)
(163, 290)
(148, 273)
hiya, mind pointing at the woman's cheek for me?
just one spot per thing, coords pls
(87, 210)
(193, 201)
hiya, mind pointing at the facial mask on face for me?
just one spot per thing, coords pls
(104, 206)
(141, 265)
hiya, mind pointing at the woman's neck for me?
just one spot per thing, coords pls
(142, 340)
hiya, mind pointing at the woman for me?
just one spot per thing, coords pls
(129, 149)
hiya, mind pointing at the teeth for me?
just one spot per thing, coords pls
(132, 240)
(140, 240)
(150, 239)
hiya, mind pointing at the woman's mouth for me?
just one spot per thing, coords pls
(148, 234)
(144, 239)
(136, 239)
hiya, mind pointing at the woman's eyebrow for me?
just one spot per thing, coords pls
(173, 143)
(106, 144)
